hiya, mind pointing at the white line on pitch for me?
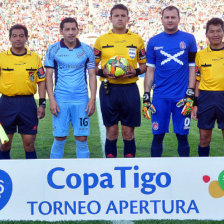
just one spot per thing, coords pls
(101, 127)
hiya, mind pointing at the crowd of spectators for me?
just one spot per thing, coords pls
(42, 18)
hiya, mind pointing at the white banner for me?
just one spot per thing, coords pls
(112, 189)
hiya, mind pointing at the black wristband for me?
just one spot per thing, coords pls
(138, 71)
(100, 73)
(195, 101)
(42, 102)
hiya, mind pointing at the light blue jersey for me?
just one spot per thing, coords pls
(70, 70)
(169, 54)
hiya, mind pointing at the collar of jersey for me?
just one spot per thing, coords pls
(111, 32)
(64, 46)
(210, 49)
(28, 52)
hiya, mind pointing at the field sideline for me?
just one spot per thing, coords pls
(143, 137)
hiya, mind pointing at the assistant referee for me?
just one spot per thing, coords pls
(21, 71)
(210, 85)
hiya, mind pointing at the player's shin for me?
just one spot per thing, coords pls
(82, 150)
(31, 155)
(57, 149)
(157, 145)
(129, 148)
(183, 145)
(4, 154)
(203, 151)
(111, 148)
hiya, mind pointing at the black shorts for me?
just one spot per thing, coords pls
(210, 109)
(18, 111)
(121, 104)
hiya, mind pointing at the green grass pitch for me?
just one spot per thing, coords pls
(143, 137)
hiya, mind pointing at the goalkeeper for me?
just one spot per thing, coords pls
(171, 71)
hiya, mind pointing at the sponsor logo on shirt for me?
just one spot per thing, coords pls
(157, 48)
(62, 55)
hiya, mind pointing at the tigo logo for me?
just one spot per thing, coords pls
(216, 187)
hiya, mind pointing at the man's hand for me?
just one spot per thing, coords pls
(40, 112)
(54, 108)
(106, 74)
(194, 113)
(130, 73)
(187, 102)
(91, 107)
(147, 106)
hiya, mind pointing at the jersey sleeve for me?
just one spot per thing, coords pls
(91, 58)
(49, 59)
(141, 52)
(97, 51)
(192, 51)
(193, 45)
(197, 68)
(150, 54)
(40, 71)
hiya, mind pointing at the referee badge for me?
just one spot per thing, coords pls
(31, 76)
(132, 52)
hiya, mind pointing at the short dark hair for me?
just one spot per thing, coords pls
(171, 7)
(215, 22)
(119, 6)
(18, 27)
(68, 20)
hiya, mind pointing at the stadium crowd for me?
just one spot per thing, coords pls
(42, 18)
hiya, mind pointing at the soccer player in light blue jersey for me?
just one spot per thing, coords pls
(171, 72)
(69, 59)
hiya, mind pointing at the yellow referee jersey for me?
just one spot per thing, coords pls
(129, 45)
(19, 75)
(210, 64)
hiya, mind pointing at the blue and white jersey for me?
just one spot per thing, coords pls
(169, 54)
(70, 70)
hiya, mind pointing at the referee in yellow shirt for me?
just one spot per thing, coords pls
(21, 71)
(119, 98)
(210, 85)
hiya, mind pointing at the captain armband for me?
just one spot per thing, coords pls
(191, 57)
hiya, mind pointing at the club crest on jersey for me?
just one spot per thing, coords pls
(182, 45)
(155, 126)
(132, 52)
(31, 76)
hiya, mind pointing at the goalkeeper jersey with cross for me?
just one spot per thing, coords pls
(169, 54)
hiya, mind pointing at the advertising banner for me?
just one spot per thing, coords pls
(112, 189)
